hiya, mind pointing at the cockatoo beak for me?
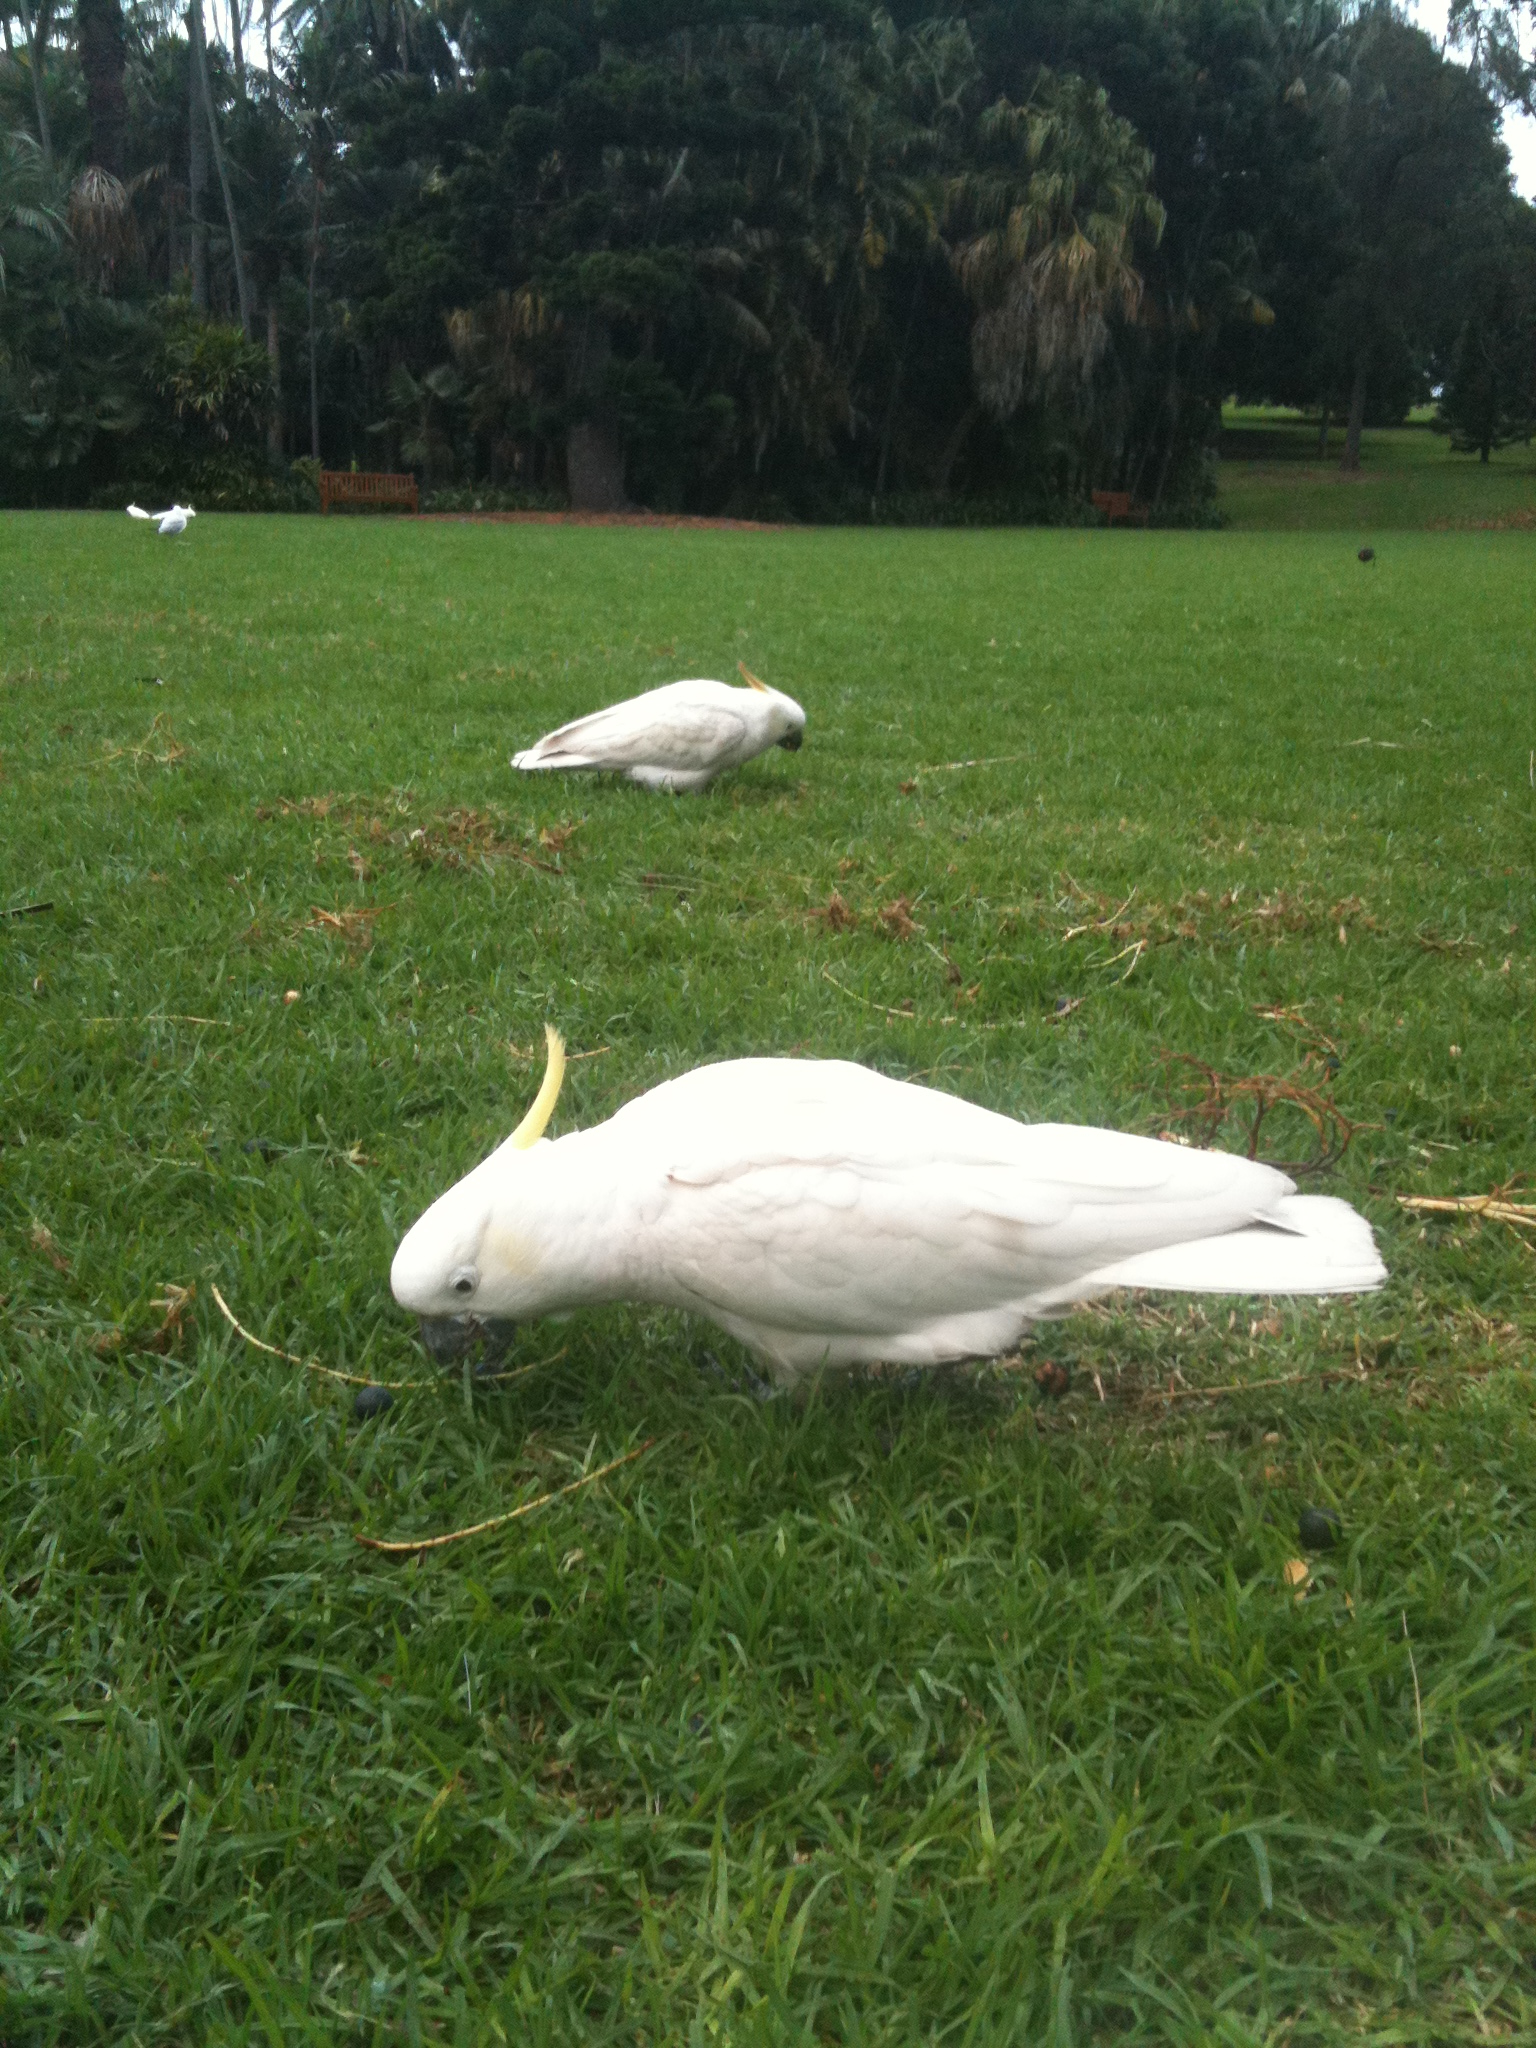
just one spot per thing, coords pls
(792, 741)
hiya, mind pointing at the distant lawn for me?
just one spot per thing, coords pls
(946, 1712)
(1272, 478)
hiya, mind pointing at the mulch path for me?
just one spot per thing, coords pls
(670, 519)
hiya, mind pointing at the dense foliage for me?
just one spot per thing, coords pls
(730, 257)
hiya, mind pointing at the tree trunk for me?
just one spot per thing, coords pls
(275, 358)
(1482, 453)
(197, 177)
(1322, 432)
(237, 45)
(36, 30)
(594, 448)
(896, 377)
(103, 58)
(314, 381)
(594, 467)
(1351, 463)
(268, 24)
(957, 440)
(200, 59)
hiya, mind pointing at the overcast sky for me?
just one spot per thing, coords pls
(1519, 129)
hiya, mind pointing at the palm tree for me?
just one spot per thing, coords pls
(28, 203)
(1042, 237)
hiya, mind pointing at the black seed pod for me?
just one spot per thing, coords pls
(372, 1401)
(1320, 1528)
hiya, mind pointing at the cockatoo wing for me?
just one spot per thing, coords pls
(670, 728)
(820, 1197)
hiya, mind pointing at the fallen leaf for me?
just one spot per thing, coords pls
(42, 1241)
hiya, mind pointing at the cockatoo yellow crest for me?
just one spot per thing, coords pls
(824, 1214)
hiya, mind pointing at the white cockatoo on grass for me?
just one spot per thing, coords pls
(173, 521)
(678, 737)
(826, 1215)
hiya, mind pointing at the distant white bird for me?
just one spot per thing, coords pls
(174, 521)
(824, 1214)
(679, 737)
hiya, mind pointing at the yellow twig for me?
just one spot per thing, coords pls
(1290, 1379)
(988, 761)
(410, 1547)
(352, 1379)
(1522, 1215)
(1098, 924)
(906, 1016)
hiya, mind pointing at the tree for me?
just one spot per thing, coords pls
(1416, 154)
(1488, 396)
(103, 58)
(1043, 228)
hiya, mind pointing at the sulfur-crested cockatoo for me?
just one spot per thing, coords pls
(173, 521)
(679, 737)
(826, 1215)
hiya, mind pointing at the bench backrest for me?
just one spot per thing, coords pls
(366, 487)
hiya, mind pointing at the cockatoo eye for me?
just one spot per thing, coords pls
(463, 1279)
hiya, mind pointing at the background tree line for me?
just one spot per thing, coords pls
(773, 257)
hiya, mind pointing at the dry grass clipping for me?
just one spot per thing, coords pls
(1206, 1098)
(1199, 916)
(1496, 1206)
(457, 839)
(353, 1379)
(160, 745)
(410, 1546)
(353, 925)
(835, 913)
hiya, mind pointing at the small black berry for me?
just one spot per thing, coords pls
(1320, 1528)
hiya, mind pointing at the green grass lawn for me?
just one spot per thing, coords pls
(936, 1712)
(1272, 478)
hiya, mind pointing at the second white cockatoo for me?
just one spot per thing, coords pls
(827, 1215)
(167, 523)
(679, 737)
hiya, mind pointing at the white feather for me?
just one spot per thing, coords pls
(679, 737)
(825, 1214)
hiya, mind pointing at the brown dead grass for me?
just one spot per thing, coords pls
(1199, 916)
(836, 914)
(456, 840)
(896, 919)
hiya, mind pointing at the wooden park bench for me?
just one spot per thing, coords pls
(1117, 508)
(366, 487)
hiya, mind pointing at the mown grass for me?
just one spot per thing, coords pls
(1272, 477)
(946, 1712)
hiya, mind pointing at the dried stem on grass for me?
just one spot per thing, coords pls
(1495, 1205)
(412, 1545)
(354, 925)
(160, 729)
(1220, 1094)
(352, 1379)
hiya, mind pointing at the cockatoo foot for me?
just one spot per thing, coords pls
(744, 1382)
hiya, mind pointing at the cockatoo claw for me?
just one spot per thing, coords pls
(745, 1382)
